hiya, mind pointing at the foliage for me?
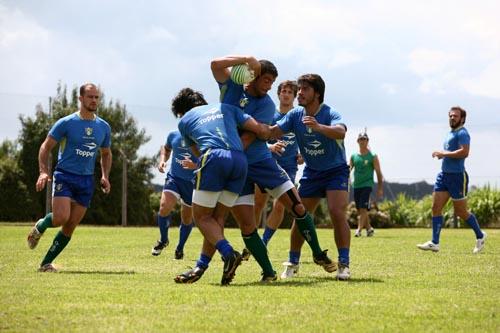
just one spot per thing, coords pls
(485, 204)
(109, 282)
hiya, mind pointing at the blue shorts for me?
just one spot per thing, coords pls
(291, 171)
(265, 174)
(221, 169)
(362, 197)
(79, 188)
(182, 187)
(314, 184)
(454, 183)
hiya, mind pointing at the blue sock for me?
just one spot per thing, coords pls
(472, 221)
(204, 261)
(294, 257)
(268, 233)
(163, 224)
(437, 222)
(184, 231)
(344, 256)
(224, 248)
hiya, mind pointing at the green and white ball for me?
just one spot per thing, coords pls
(241, 74)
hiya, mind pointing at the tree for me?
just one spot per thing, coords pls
(126, 140)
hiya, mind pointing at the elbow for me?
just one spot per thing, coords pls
(214, 64)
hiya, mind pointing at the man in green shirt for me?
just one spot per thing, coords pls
(364, 163)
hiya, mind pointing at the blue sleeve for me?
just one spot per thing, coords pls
(170, 138)
(58, 131)
(463, 138)
(106, 143)
(286, 123)
(240, 116)
(184, 135)
(335, 118)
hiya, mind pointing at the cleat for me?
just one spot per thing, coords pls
(245, 254)
(343, 273)
(429, 246)
(190, 276)
(325, 262)
(370, 232)
(48, 268)
(357, 233)
(479, 244)
(178, 255)
(290, 270)
(269, 278)
(230, 265)
(158, 248)
(33, 237)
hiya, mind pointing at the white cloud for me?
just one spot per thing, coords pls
(344, 58)
(486, 83)
(158, 34)
(390, 88)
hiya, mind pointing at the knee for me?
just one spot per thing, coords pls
(299, 210)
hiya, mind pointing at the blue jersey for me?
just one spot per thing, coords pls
(453, 141)
(318, 151)
(260, 108)
(79, 141)
(288, 158)
(180, 151)
(213, 126)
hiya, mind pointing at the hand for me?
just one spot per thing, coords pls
(162, 166)
(43, 179)
(105, 185)
(254, 65)
(311, 122)
(380, 193)
(278, 148)
(438, 154)
(188, 164)
(300, 159)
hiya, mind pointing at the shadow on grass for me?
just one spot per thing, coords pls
(98, 272)
(306, 281)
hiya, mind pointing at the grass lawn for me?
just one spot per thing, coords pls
(108, 282)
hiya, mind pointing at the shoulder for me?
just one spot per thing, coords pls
(103, 123)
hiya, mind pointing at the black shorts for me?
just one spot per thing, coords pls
(362, 197)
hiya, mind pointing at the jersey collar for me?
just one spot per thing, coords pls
(80, 116)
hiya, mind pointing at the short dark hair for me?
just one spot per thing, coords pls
(267, 67)
(84, 87)
(463, 113)
(185, 100)
(316, 82)
(288, 83)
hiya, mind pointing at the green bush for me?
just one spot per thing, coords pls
(485, 204)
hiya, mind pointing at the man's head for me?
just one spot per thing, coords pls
(363, 139)
(185, 100)
(287, 91)
(457, 116)
(311, 88)
(264, 82)
(89, 97)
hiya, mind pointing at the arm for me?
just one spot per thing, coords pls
(351, 164)
(220, 66)
(333, 132)
(461, 152)
(188, 163)
(261, 130)
(380, 178)
(164, 156)
(43, 158)
(106, 160)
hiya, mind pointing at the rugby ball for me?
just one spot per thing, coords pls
(241, 74)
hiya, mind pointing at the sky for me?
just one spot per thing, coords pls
(395, 67)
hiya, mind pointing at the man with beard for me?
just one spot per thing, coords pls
(320, 133)
(453, 182)
(80, 135)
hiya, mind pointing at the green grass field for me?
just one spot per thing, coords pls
(108, 282)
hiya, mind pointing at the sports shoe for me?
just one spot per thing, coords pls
(429, 246)
(357, 233)
(325, 262)
(158, 248)
(48, 268)
(479, 244)
(178, 255)
(269, 278)
(245, 254)
(290, 271)
(343, 273)
(190, 276)
(33, 237)
(230, 265)
(370, 232)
